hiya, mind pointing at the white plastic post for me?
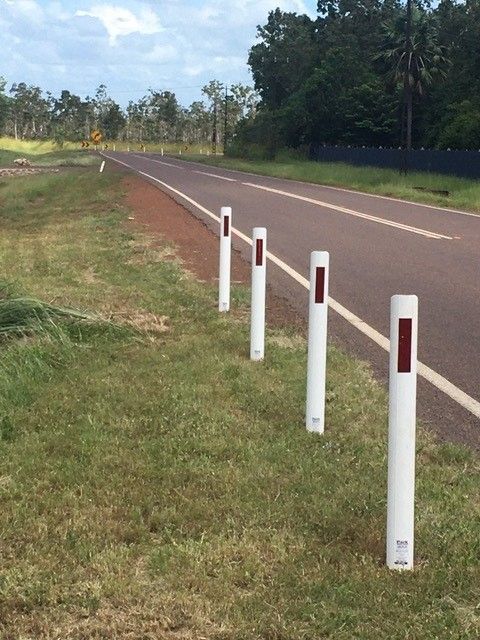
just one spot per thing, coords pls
(317, 341)
(259, 283)
(201, 152)
(401, 431)
(161, 151)
(180, 152)
(102, 166)
(225, 259)
(128, 149)
(114, 147)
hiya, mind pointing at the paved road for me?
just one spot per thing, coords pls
(378, 247)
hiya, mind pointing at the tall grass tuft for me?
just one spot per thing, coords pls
(19, 315)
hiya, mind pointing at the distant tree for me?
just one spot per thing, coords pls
(244, 101)
(107, 114)
(29, 111)
(461, 126)
(69, 114)
(4, 104)
(164, 115)
(285, 56)
(112, 121)
(137, 113)
(214, 91)
(370, 115)
(198, 123)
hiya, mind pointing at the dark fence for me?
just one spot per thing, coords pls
(465, 164)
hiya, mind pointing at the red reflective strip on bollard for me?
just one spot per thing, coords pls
(320, 284)
(226, 225)
(404, 345)
(259, 253)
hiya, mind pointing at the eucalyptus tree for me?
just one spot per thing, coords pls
(214, 92)
(136, 125)
(4, 104)
(69, 115)
(197, 123)
(29, 111)
(164, 115)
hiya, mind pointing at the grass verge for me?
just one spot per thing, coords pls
(168, 147)
(41, 152)
(464, 193)
(155, 483)
(45, 153)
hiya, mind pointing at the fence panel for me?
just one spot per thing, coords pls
(465, 164)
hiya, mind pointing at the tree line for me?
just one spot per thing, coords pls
(26, 112)
(384, 73)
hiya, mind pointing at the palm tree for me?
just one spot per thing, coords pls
(415, 57)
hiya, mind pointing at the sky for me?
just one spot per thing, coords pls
(130, 45)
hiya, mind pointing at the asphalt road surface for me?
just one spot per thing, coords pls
(378, 247)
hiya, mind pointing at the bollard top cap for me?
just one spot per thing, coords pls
(402, 296)
(404, 305)
(319, 258)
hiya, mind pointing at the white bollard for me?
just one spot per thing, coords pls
(317, 341)
(201, 152)
(208, 152)
(128, 149)
(401, 431)
(259, 284)
(225, 259)
(114, 147)
(102, 166)
(161, 151)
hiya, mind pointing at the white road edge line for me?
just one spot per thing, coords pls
(214, 175)
(366, 216)
(438, 381)
(351, 212)
(168, 164)
(343, 189)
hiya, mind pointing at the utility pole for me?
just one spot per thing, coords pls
(225, 121)
(407, 89)
(214, 133)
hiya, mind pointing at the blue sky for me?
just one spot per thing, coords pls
(131, 45)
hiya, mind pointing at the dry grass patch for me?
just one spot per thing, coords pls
(285, 341)
(141, 320)
(146, 249)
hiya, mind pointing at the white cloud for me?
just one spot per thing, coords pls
(161, 53)
(119, 21)
(56, 11)
(193, 70)
(168, 44)
(26, 9)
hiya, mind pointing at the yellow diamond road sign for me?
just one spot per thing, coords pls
(96, 136)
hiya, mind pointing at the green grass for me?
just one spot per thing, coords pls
(63, 158)
(33, 147)
(168, 147)
(154, 483)
(46, 153)
(464, 193)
